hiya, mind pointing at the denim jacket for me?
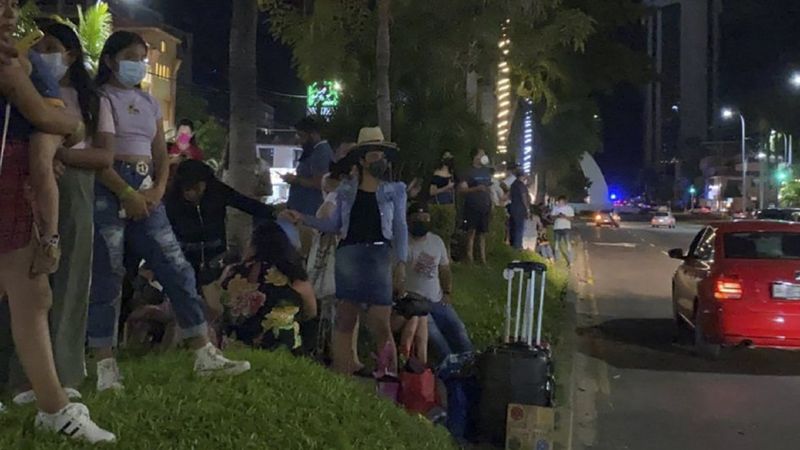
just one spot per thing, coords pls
(392, 204)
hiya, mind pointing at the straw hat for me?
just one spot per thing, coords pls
(371, 138)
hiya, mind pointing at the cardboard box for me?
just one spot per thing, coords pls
(529, 427)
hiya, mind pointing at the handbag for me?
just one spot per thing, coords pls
(413, 305)
(417, 388)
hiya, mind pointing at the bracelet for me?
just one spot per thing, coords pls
(127, 192)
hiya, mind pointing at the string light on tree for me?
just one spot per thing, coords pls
(503, 90)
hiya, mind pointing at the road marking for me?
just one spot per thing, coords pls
(665, 253)
(616, 244)
(652, 245)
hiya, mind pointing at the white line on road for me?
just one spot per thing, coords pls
(665, 253)
(652, 245)
(616, 244)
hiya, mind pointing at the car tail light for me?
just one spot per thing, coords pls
(727, 288)
(598, 217)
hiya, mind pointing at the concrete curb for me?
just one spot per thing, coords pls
(564, 353)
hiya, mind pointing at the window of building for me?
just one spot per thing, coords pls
(163, 47)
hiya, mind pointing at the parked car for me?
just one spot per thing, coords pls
(789, 214)
(663, 219)
(739, 285)
(607, 219)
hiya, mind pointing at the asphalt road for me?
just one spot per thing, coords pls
(637, 389)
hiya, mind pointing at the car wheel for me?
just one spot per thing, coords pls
(701, 344)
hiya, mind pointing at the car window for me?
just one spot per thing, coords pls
(662, 214)
(696, 241)
(705, 248)
(762, 245)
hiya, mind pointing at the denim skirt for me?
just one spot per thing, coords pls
(363, 274)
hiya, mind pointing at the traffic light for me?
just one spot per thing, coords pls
(783, 173)
(692, 190)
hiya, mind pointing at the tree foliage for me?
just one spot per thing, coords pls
(94, 27)
(436, 44)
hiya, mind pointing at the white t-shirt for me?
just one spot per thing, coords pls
(562, 223)
(497, 194)
(424, 258)
(105, 120)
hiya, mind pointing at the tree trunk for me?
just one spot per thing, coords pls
(383, 56)
(243, 115)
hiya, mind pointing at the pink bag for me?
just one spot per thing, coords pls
(386, 383)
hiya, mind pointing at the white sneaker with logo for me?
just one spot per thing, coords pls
(108, 376)
(74, 422)
(28, 397)
(209, 361)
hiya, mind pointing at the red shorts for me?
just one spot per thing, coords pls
(16, 220)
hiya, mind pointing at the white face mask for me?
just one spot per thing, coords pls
(55, 64)
(484, 160)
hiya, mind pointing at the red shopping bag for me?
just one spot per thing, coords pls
(418, 391)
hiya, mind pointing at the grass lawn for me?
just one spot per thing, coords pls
(283, 403)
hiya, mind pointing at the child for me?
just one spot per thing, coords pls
(543, 247)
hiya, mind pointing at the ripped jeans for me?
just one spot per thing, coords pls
(154, 241)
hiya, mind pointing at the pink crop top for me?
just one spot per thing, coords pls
(135, 116)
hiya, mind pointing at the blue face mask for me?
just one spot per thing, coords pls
(131, 73)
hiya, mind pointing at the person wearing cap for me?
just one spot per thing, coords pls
(370, 217)
(443, 187)
(429, 276)
(305, 191)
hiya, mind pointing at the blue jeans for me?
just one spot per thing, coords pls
(563, 244)
(446, 332)
(517, 230)
(150, 239)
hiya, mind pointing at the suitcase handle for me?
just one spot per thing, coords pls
(527, 266)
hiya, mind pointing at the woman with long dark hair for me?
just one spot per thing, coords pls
(63, 56)
(128, 209)
(22, 112)
(268, 293)
(370, 217)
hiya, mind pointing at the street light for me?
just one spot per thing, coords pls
(794, 79)
(728, 113)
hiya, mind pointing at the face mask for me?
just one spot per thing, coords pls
(184, 139)
(418, 228)
(378, 168)
(55, 64)
(131, 73)
(484, 160)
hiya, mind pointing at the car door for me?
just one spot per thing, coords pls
(698, 268)
(684, 290)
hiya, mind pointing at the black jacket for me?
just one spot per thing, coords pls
(200, 229)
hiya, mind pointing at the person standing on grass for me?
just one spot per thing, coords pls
(477, 204)
(562, 227)
(305, 191)
(128, 209)
(370, 217)
(429, 276)
(22, 112)
(519, 209)
(443, 186)
(63, 55)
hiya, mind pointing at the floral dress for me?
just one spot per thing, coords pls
(260, 307)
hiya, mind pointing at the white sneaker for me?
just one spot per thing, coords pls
(210, 362)
(74, 422)
(108, 376)
(28, 397)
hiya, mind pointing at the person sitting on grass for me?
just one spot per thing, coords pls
(429, 276)
(263, 296)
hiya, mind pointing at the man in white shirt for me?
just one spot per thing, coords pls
(563, 215)
(429, 275)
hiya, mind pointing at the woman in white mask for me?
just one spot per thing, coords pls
(60, 50)
(128, 210)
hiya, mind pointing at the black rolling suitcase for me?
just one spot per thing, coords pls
(520, 369)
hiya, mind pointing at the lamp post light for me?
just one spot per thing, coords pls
(728, 114)
(794, 79)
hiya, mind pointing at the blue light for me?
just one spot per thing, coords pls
(613, 196)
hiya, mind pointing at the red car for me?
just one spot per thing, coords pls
(739, 285)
